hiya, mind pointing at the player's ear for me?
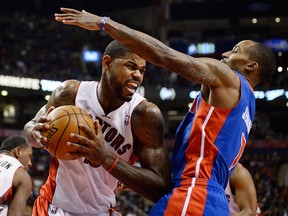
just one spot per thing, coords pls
(252, 66)
(17, 152)
(106, 60)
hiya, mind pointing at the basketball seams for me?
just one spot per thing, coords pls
(82, 113)
(86, 115)
(76, 116)
(59, 140)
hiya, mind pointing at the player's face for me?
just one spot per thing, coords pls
(238, 58)
(25, 157)
(126, 75)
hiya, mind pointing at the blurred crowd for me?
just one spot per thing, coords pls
(270, 173)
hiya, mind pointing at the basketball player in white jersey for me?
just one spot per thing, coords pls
(241, 193)
(15, 182)
(128, 128)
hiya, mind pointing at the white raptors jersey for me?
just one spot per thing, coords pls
(8, 167)
(233, 207)
(83, 188)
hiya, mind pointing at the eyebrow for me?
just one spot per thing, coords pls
(132, 62)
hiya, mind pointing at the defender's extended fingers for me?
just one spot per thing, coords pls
(69, 10)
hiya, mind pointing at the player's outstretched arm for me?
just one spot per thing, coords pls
(203, 70)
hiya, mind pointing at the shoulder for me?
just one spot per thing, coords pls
(68, 85)
(146, 109)
(64, 94)
(22, 178)
(147, 115)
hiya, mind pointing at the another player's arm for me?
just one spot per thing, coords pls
(223, 84)
(245, 192)
(222, 81)
(63, 95)
(22, 185)
(143, 45)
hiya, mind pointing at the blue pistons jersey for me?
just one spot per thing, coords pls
(209, 143)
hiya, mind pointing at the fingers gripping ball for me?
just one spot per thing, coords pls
(64, 121)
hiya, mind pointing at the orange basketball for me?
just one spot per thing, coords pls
(64, 121)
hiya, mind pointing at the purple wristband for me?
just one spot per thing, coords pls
(102, 23)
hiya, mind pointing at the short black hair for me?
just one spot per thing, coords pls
(116, 50)
(266, 59)
(13, 142)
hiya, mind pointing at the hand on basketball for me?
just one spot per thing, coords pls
(40, 126)
(91, 146)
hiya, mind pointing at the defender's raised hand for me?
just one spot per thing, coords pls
(82, 18)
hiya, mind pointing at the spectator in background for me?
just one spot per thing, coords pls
(16, 184)
(241, 193)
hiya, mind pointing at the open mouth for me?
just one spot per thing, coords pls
(132, 86)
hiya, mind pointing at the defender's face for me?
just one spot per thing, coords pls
(25, 157)
(126, 75)
(238, 58)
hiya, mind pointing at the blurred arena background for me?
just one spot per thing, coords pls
(37, 53)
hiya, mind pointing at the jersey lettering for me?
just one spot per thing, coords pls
(113, 137)
(5, 164)
(247, 119)
(117, 142)
(124, 149)
(104, 125)
(110, 135)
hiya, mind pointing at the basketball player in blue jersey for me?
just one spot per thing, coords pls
(128, 128)
(212, 136)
